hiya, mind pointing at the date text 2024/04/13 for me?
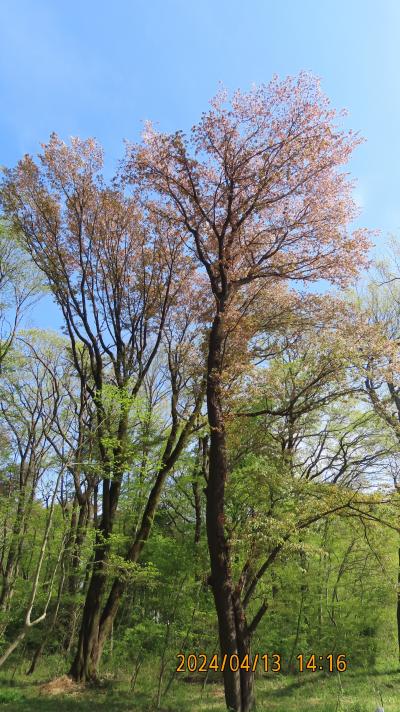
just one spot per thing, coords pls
(269, 662)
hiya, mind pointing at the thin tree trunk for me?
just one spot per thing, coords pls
(162, 664)
(78, 528)
(29, 623)
(200, 473)
(135, 673)
(296, 638)
(14, 552)
(40, 648)
(197, 511)
(13, 645)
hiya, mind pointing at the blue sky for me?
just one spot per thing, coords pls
(101, 68)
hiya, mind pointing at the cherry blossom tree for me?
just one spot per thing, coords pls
(258, 195)
(116, 272)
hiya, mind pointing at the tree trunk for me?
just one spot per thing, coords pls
(244, 652)
(40, 648)
(14, 552)
(36, 655)
(78, 529)
(173, 449)
(199, 474)
(13, 646)
(233, 634)
(110, 610)
(97, 623)
(84, 666)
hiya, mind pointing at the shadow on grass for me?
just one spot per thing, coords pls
(314, 680)
(287, 688)
(35, 702)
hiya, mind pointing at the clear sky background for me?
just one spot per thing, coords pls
(96, 68)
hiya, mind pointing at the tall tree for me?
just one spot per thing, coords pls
(257, 194)
(115, 273)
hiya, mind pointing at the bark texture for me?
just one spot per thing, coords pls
(233, 633)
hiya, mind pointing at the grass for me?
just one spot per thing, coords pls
(309, 692)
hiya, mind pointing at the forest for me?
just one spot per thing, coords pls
(200, 473)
